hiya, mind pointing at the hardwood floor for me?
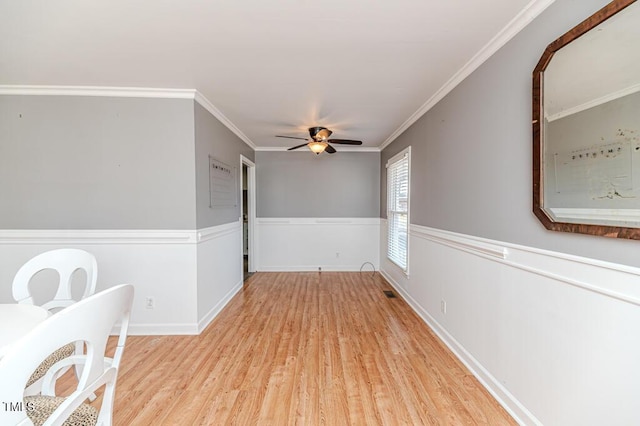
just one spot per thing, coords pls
(304, 349)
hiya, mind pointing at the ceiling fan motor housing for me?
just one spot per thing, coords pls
(319, 133)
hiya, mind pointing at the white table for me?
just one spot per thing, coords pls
(16, 320)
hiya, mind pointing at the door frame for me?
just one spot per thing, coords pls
(251, 213)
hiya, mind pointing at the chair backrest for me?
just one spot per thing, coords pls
(89, 320)
(65, 262)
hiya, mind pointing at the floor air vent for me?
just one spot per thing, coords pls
(389, 294)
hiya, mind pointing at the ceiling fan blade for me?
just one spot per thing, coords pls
(291, 137)
(345, 141)
(296, 147)
(330, 149)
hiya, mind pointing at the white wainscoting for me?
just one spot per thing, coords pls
(190, 274)
(219, 269)
(555, 338)
(306, 244)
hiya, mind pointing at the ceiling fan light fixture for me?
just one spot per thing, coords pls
(319, 141)
(317, 147)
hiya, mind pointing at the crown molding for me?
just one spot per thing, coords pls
(338, 148)
(127, 92)
(115, 92)
(595, 102)
(206, 104)
(517, 24)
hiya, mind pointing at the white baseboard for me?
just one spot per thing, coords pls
(210, 316)
(162, 329)
(314, 268)
(502, 395)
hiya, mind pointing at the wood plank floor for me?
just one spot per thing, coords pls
(303, 349)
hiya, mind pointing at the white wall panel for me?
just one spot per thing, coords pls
(556, 338)
(219, 269)
(305, 244)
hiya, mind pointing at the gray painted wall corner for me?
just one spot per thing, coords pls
(212, 138)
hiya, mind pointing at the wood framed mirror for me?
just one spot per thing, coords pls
(586, 126)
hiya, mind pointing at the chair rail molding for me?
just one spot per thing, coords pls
(98, 236)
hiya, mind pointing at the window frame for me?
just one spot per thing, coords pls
(393, 194)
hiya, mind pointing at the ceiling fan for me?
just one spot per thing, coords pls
(319, 141)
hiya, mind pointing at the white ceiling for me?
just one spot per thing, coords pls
(364, 68)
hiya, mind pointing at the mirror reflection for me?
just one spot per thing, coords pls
(591, 126)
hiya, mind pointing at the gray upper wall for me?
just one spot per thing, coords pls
(302, 184)
(96, 163)
(472, 152)
(214, 139)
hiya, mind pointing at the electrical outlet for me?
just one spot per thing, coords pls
(149, 302)
(443, 306)
(319, 269)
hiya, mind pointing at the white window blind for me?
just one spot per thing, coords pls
(398, 208)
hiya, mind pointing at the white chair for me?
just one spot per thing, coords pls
(65, 262)
(89, 321)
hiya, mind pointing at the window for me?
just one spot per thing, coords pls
(398, 169)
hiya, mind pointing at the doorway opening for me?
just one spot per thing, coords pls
(248, 212)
